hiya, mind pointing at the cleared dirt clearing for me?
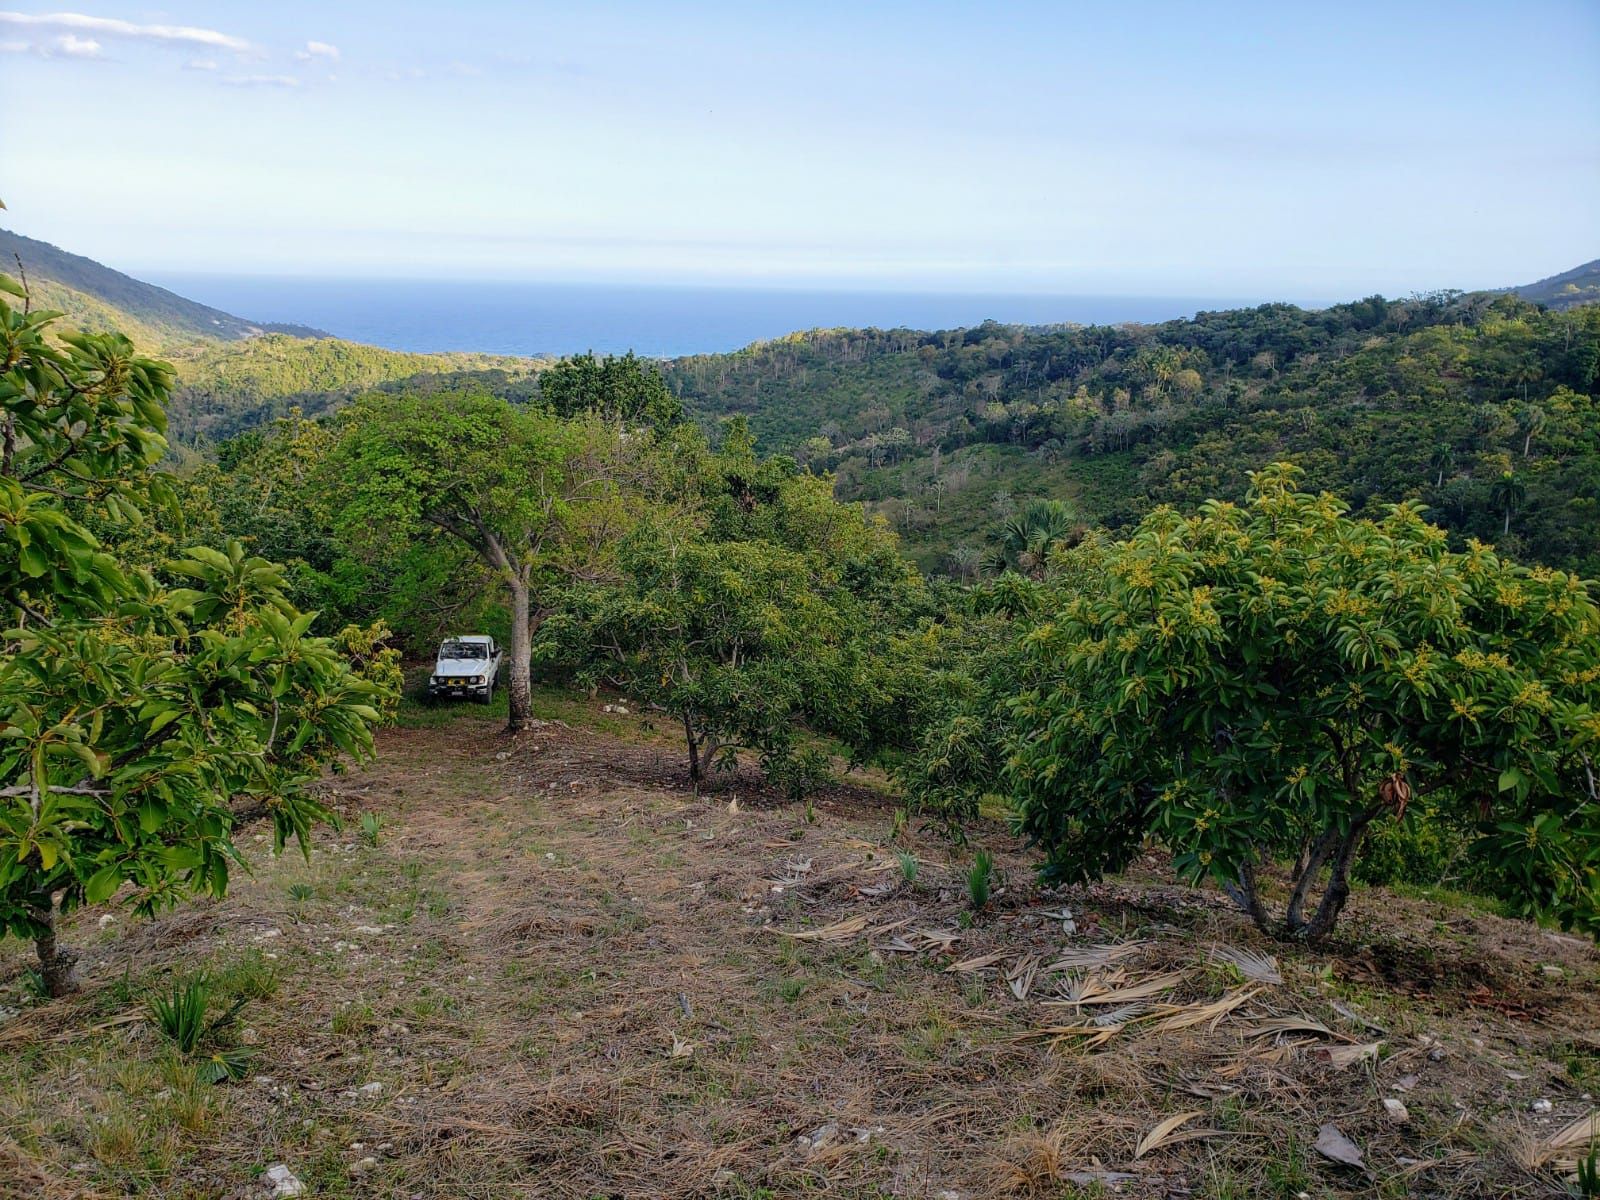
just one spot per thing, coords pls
(570, 977)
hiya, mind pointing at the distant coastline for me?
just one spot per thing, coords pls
(658, 321)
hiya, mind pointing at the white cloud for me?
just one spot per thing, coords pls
(280, 81)
(317, 50)
(74, 46)
(14, 47)
(200, 64)
(182, 35)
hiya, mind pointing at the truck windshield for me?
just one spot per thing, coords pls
(463, 650)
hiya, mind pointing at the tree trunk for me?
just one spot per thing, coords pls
(1507, 528)
(520, 693)
(57, 965)
(1338, 890)
(694, 750)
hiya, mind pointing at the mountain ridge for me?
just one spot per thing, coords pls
(1580, 285)
(175, 317)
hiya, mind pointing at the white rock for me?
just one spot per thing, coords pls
(1540, 1105)
(364, 1165)
(108, 919)
(1396, 1111)
(371, 1089)
(283, 1181)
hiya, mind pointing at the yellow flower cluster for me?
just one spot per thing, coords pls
(1532, 695)
(1477, 660)
(1510, 595)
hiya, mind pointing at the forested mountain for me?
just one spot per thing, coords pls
(1581, 285)
(234, 374)
(1482, 406)
(226, 388)
(154, 310)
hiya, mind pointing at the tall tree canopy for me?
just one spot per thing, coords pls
(625, 389)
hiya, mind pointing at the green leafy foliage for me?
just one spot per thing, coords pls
(133, 711)
(749, 608)
(626, 390)
(947, 433)
(1254, 683)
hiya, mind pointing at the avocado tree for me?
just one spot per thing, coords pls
(735, 639)
(133, 713)
(474, 468)
(1263, 683)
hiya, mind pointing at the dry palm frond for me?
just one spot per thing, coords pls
(1093, 956)
(1123, 993)
(1294, 1024)
(1344, 1056)
(1534, 1153)
(1120, 1016)
(1259, 1056)
(1092, 1035)
(1189, 1015)
(1169, 1132)
(977, 964)
(794, 871)
(837, 932)
(1258, 968)
(921, 940)
(1021, 975)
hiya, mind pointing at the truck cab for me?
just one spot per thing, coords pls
(465, 668)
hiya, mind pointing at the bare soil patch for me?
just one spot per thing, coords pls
(571, 976)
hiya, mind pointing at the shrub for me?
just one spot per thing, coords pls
(1269, 682)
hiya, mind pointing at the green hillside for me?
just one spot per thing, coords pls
(167, 315)
(227, 387)
(1432, 398)
(234, 374)
(1581, 285)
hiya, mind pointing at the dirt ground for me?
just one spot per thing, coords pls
(560, 973)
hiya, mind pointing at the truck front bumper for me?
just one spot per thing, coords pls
(458, 691)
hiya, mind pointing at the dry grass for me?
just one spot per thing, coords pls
(613, 987)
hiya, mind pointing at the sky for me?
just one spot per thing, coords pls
(1140, 148)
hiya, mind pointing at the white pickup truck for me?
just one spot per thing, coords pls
(466, 667)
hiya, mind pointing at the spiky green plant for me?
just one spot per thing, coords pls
(181, 1017)
(980, 879)
(228, 1063)
(909, 866)
(371, 828)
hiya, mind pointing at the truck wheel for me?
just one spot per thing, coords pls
(488, 695)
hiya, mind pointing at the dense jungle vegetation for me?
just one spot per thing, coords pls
(1433, 399)
(1261, 677)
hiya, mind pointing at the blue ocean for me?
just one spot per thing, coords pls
(567, 318)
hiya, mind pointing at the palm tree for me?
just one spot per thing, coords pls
(1530, 420)
(1508, 493)
(1442, 460)
(965, 562)
(1027, 538)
